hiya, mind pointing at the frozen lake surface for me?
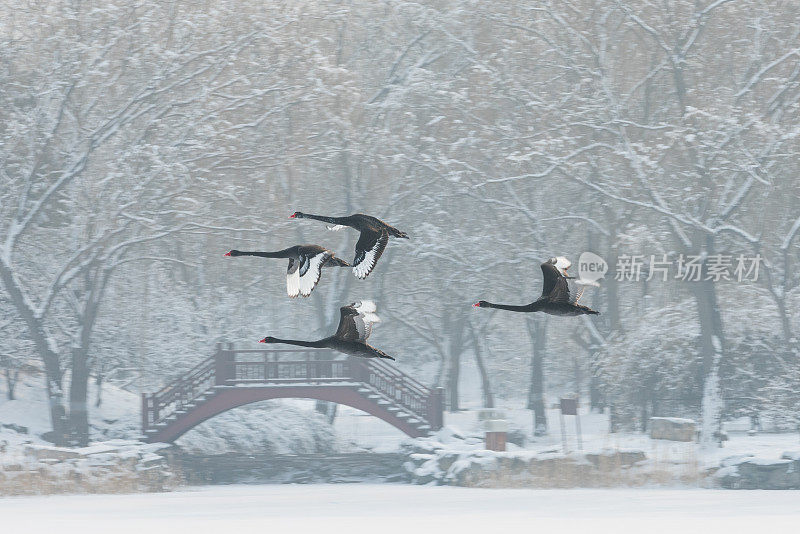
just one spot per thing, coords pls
(408, 509)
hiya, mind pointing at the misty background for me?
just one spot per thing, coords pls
(141, 141)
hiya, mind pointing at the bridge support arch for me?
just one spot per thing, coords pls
(230, 398)
(234, 378)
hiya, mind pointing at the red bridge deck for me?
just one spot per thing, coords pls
(233, 378)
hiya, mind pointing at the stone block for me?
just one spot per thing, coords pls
(672, 428)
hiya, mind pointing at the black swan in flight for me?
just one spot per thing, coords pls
(374, 236)
(355, 326)
(556, 298)
(305, 265)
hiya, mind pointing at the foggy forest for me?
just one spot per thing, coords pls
(140, 141)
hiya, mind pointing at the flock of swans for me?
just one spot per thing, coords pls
(355, 322)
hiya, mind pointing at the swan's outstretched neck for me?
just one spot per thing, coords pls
(508, 307)
(333, 220)
(300, 343)
(277, 254)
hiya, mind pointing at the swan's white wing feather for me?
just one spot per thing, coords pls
(577, 288)
(365, 306)
(371, 318)
(308, 281)
(366, 318)
(562, 264)
(293, 283)
(365, 260)
(335, 227)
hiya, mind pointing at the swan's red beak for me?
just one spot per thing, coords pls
(227, 254)
(292, 216)
(262, 340)
(476, 305)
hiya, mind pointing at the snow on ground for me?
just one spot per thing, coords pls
(370, 432)
(118, 418)
(399, 508)
(379, 436)
(281, 426)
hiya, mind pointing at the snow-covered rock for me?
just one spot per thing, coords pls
(451, 457)
(117, 466)
(672, 428)
(750, 472)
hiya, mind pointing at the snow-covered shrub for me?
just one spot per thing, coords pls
(269, 427)
(450, 457)
(780, 399)
(653, 369)
(750, 376)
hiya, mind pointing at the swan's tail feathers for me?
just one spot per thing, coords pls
(397, 233)
(383, 355)
(333, 261)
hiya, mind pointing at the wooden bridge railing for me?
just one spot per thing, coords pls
(230, 367)
(259, 366)
(177, 395)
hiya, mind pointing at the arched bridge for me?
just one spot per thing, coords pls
(233, 378)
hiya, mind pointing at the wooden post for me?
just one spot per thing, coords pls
(358, 369)
(496, 441)
(569, 406)
(145, 422)
(496, 431)
(222, 366)
(436, 408)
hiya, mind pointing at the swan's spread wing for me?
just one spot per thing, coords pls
(560, 292)
(549, 277)
(293, 278)
(365, 319)
(304, 265)
(578, 287)
(555, 285)
(567, 288)
(335, 227)
(347, 327)
(369, 248)
(575, 291)
(313, 268)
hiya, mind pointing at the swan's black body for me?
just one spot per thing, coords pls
(305, 264)
(555, 299)
(371, 243)
(350, 338)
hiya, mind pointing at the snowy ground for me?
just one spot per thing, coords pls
(117, 416)
(373, 433)
(357, 427)
(288, 429)
(407, 509)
